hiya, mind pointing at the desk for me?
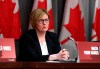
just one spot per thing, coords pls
(14, 65)
(61, 65)
(32, 65)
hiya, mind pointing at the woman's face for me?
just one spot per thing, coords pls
(43, 23)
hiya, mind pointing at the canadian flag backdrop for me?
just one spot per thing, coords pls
(96, 22)
(9, 19)
(45, 4)
(73, 22)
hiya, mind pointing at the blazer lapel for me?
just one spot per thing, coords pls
(37, 44)
(49, 43)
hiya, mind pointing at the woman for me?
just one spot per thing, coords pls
(39, 44)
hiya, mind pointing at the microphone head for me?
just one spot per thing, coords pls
(72, 39)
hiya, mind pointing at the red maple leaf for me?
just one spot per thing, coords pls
(6, 16)
(96, 24)
(76, 24)
(51, 25)
(8, 21)
(43, 4)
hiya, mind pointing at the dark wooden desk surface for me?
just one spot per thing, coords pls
(11, 65)
(28, 65)
(61, 65)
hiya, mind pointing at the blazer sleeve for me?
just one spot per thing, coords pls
(24, 54)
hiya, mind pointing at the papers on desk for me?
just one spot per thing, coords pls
(53, 61)
(63, 61)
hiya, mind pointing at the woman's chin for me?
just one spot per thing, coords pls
(45, 29)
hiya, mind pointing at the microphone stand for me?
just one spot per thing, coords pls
(75, 44)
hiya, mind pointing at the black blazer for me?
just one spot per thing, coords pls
(29, 46)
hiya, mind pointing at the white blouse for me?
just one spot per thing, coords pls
(44, 48)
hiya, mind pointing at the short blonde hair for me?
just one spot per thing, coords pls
(36, 15)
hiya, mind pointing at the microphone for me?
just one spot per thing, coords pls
(72, 39)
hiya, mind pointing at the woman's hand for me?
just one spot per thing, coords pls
(63, 54)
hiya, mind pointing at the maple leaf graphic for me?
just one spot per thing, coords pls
(76, 24)
(96, 24)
